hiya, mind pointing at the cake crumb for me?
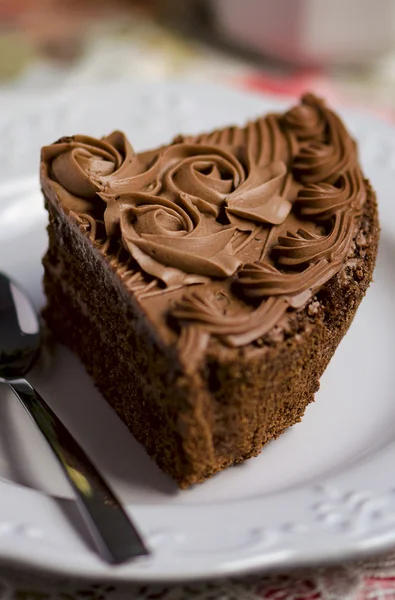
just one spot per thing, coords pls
(313, 308)
(359, 274)
(361, 240)
(352, 250)
(277, 334)
(354, 263)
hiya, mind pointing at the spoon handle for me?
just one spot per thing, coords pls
(115, 536)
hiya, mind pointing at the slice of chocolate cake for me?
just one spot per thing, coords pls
(205, 285)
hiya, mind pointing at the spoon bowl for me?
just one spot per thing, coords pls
(20, 340)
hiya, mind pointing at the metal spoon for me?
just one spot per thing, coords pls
(115, 536)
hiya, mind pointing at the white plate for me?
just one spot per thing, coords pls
(324, 491)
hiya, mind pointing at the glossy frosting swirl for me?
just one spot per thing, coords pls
(174, 242)
(324, 160)
(301, 248)
(77, 165)
(200, 307)
(320, 201)
(306, 120)
(269, 210)
(176, 212)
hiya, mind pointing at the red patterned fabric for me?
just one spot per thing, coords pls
(366, 580)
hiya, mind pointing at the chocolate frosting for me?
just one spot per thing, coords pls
(265, 214)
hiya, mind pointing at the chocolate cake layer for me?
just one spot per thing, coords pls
(205, 285)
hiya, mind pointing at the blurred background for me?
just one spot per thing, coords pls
(343, 49)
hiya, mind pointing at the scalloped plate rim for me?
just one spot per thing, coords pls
(265, 552)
